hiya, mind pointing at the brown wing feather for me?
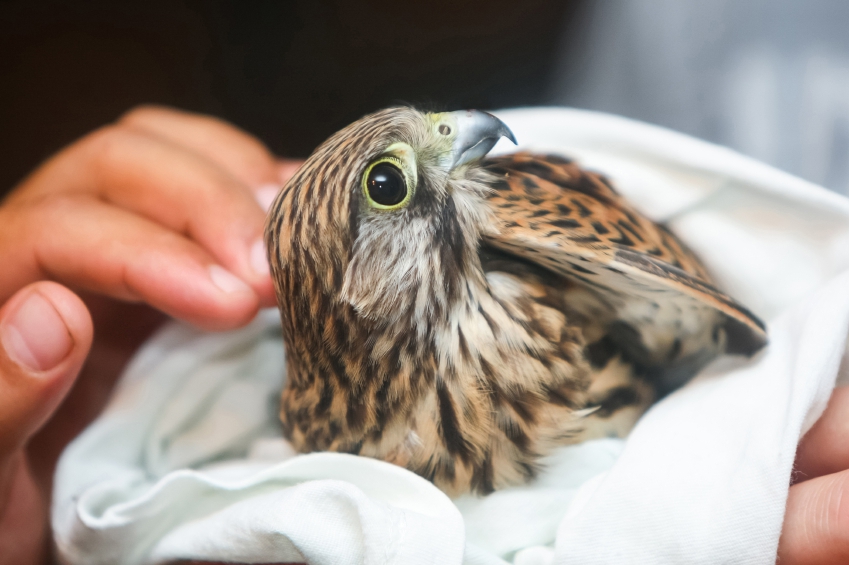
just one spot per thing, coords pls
(572, 221)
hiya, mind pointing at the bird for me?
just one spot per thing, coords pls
(462, 315)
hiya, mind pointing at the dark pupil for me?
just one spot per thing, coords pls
(386, 184)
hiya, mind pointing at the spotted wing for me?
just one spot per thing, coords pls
(553, 213)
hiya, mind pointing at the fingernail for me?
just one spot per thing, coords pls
(35, 336)
(266, 194)
(287, 168)
(259, 258)
(227, 281)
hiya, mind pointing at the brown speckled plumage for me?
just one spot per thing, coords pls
(512, 305)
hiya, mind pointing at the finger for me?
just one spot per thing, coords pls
(825, 449)
(45, 335)
(23, 515)
(239, 153)
(816, 523)
(172, 187)
(94, 246)
(286, 168)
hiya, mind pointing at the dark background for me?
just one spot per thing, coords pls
(290, 72)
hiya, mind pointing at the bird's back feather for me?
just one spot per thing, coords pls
(663, 306)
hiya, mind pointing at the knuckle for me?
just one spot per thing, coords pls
(105, 139)
(144, 114)
(52, 206)
(108, 148)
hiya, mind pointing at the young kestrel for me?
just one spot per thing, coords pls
(462, 316)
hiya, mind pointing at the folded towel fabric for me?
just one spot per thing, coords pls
(187, 461)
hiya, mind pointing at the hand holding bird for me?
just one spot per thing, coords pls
(812, 531)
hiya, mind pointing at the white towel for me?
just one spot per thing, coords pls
(187, 461)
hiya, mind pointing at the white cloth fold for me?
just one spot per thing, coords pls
(187, 461)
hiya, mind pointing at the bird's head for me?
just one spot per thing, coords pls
(387, 214)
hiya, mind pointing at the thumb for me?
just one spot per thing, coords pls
(816, 524)
(45, 335)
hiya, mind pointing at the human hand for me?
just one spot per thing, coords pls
(160, 208)
(816, 523)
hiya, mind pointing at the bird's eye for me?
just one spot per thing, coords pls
(385, 185)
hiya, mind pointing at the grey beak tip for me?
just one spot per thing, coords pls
(478, 132)
(503, 130)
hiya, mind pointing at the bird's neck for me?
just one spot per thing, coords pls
(350, 375)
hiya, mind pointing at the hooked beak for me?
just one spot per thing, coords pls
(477, 133)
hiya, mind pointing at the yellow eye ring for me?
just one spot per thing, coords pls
(386, 184)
